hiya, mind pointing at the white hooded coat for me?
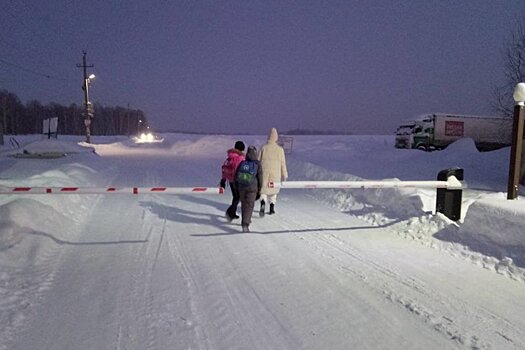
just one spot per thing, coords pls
(273, 163)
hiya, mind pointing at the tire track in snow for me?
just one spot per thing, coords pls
(255, 294)
(195, 320)
(392, 289)
(306, 295)
(130, 315)
(150, 314)
(412, 294)
(223, 299)
(245, 295)
(142, 298)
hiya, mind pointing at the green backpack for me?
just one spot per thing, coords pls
(247, 172)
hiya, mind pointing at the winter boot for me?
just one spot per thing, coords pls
(245, 228)
(230, 215)
(261, 211)
(272, 209)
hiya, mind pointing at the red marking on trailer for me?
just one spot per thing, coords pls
(111, 189)
(135, 190)
(199, 189)
(49, 190)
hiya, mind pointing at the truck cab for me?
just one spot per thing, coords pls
(423, 134)
(404, 135)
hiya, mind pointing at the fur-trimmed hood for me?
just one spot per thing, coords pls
(234, 150)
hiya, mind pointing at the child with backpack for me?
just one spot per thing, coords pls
(229, 169)
(248, 181)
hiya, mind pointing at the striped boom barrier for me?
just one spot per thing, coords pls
(111, 190)
(448, 185)
(451, 183)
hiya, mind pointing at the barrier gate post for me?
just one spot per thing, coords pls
(448, 202)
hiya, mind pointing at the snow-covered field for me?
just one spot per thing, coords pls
(333, 269)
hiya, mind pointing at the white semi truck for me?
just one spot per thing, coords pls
(436, 131)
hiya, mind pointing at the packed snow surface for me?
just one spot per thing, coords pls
(332, 269)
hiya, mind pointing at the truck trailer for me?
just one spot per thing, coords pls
(436, 131)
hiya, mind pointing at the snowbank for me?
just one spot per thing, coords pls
(490, 224)
(32, 147)
(493, 226)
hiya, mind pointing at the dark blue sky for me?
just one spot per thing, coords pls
(246, 66)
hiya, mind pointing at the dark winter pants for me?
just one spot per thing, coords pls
(232, 209)
(247, 203)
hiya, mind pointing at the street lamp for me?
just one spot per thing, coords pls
(516, 149)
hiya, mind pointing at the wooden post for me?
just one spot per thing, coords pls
(516, 151)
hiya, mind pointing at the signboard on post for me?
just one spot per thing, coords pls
(50, 127)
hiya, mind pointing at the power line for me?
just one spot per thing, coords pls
(33, 71)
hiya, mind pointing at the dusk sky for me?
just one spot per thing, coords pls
(246, 66)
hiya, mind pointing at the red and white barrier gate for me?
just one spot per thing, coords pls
(448, 198)
(451, 183)
(111, 190)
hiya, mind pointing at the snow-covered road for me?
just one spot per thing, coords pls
(169, 272)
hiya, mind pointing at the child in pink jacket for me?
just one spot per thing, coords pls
(229, 168)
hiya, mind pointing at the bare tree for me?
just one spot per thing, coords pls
(514, 73)
(514, 70)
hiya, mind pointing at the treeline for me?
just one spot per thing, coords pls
(17, 118)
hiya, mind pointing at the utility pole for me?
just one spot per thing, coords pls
(88, 109)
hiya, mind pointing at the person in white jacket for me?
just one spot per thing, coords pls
(273, 165)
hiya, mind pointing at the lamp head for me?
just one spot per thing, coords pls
(519, 94)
